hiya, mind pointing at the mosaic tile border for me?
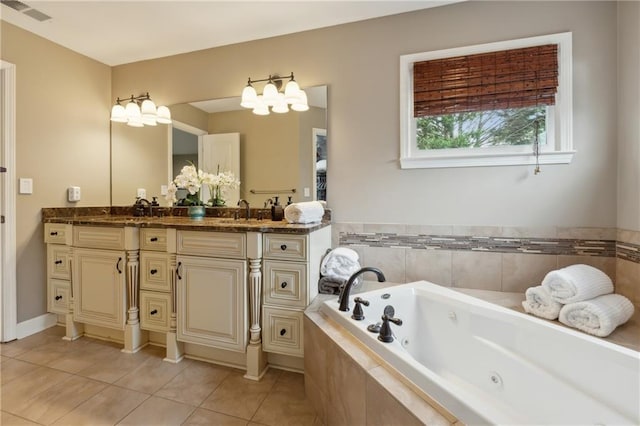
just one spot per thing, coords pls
(628, 251)
(553, 246)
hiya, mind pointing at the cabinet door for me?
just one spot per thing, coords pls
(212, 302)
(99, 287)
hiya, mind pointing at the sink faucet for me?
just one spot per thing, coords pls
(343, 299)
(247, 210)
(139, 209)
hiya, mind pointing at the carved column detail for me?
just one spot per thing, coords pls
(255, 296)
(174, 292)
(133, 284)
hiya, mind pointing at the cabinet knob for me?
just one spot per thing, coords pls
(53, 233)
(283, 247)
(153, 239)
(283, 332)
(153, 271)
(155, 311)
(58, 297)
(283, 284)
(58, 262)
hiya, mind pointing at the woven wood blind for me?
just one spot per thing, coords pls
(515, 78)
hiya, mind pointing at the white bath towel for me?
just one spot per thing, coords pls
(341, 263)
(576, 283)
(306, 212)
(538, 302)
(599, 316)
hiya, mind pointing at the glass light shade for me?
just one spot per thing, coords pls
(149, 121)
(148, 109)
(118, 114)
(292, 92)
(163, 115)
(133, 110)
(281, 105)
(301, 104)
(135, 122)
(249, 97)
(270, 94)
(261, 108)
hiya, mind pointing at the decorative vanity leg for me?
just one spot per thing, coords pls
(175, 349)
(73, 330)
(256, 359)
(132, 331)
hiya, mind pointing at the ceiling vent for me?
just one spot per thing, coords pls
(26, 9)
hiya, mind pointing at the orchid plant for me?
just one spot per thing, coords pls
(193, 179)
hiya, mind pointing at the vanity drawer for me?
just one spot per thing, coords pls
(59, 262)
(99, 237)
(58, 233)
(153, 239)
(155, 311)
(155, 271)
(59, 296)
(212, 244)
(285, 247)
(282, 331)
(285, 283)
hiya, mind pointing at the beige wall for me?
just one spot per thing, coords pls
(62, 139)
(360, 64)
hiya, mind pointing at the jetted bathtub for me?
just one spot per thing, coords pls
(491, 365)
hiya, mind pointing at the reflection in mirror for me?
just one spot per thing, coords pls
(278, 153)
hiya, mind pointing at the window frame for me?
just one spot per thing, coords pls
(559, 147)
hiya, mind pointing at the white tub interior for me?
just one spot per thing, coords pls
(489, 364)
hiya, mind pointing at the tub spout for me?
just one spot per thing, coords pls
(343, 299)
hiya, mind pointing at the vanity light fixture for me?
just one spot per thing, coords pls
(293, 97)
(140, 111)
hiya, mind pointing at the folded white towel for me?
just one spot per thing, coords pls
(341, 263)
(576, 283)
(539, 303)
(306, 212)
(599, 316)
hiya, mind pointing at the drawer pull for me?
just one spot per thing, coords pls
(283, 247)
(153, 239)
(155, 311)
(118, 265)
(58, 297)
(58, 262)
(178, 271)
(53, 233)
(283, 332)
(283, 284)
(153, 271)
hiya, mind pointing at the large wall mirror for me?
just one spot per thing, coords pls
(281, 155)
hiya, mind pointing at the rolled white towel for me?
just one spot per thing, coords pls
(576, 283)
(599, 316)
(538, 302)
(341, 263)
(306, 212)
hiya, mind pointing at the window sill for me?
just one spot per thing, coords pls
(511, 159)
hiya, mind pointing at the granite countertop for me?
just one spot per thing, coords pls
(627, 335)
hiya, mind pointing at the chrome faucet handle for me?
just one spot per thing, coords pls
(358, 314)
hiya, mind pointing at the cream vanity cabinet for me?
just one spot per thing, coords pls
(211, 272)
(291, 270)
(58, 237)
(157, 264)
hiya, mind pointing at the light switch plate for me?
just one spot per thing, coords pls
(26, 186)
(307, 192)
(164, 189)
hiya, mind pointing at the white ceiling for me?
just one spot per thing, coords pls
(118, 32)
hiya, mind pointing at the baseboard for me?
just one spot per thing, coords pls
(35, 325)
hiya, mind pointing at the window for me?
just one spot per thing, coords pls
(504, 103)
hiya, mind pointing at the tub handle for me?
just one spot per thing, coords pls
(358, 314)
(386, 335)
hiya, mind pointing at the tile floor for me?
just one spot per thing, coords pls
(48, 381)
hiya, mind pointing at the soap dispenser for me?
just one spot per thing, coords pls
(289, 200)
(277, 212)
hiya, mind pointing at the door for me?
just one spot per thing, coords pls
(221, 151)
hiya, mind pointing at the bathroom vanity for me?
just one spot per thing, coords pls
(227, 291)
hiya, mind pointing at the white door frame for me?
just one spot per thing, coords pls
(8, 299)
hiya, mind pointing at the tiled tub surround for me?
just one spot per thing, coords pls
(492, 258)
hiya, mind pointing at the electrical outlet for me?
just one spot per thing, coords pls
(307, 192)
(73, 193)
(164, 189)
(141, 193)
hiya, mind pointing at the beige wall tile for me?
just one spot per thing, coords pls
(527, 232)
(628, 280)
(477, 231)
(385, 228)
(382, 409)
(628, 236)
(429, 230)
(605, 264)
(347, 227)
(391, 261)
(346, 384)
(317, 398)
(521, 271)
(585, 233)
(478, 270)
(315, 354)
(430, 265)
